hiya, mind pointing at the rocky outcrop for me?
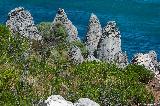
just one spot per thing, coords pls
(62, 18)
(149, 60)
(21, 22)
(57, 100)
(86, 102)
(94, 34)
(109, 47)
(75, 55)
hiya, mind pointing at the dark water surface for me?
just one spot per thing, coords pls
(138, 20)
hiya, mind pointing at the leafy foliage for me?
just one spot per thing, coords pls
(36, 77)
(12, 47)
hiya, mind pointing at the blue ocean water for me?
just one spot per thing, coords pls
(138, 20)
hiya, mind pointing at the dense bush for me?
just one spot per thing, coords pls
(52, 36)
(12, 48)
(27, 81)
(109, 85)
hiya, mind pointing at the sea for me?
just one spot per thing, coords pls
(138, 20)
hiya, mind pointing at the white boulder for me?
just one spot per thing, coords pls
(85, 102)
(57, 100)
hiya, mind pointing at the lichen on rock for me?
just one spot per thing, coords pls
(75, 55)
(21, 22)
(61, 17)
(94, 34)
(109, 47)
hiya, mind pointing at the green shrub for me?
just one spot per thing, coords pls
(28, 80)
(45, 29)
(139, 72)
(5, 40)
(13, 48)
(103, 83)
(109, 85)
(52, 35)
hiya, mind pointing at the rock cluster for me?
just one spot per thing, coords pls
(109, 48)
(21, 22)
(57, 100)
(62, 18)
(149, 60)
(75, 55)
(94, 34)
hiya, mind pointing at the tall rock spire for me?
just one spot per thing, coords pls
(94, 34)
(20, 21)
(62, 18)
(109, 48)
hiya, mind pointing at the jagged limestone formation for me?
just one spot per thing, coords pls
(86, 102)
(94, 34)
(62, 18)
(21, 22)
(75, 55)
(149, 60)
(109, 47)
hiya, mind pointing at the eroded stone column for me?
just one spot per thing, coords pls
(94, 34)
(21, 22)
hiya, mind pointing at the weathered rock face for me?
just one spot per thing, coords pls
(62, 18)
(75, 55)
(92, 58)
(20, 21)
(121, 59)
(94, 34)
(109, 48)
(57, 100)
(148, 60)
(86, 102)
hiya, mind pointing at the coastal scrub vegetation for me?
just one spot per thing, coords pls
(28, 76)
